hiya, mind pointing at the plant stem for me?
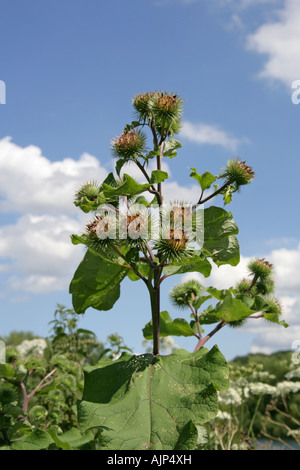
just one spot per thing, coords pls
(254, 416)
(157, 271)
(42, 384)
(155, 310)
(202, 341)
(213, 194)
(194, 312)
(254, 281)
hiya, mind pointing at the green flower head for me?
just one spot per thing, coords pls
(141, 104)
(129, 145)
(238, 173)
(260, 268)
(184, 293)
(89, 190)
(166, 111)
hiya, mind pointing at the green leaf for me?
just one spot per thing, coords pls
(170, 148)
(194, 264)
(158, 176)
(96, 283)
(260, 304)
(218, 224)
(249, 301)
(207, 316)
(231, 309)
(83, 331)
(220, 242)
(119, 165)
(224, 251)
(145, 402)
(110, 180)
(169, 327)
(7, 371)
(86, 205)
(129, 187)
(188, 438)
(205, 180)
(106, 252)
(72, 439)
(200, 300)
(273, 318)
(219, 294)
(133, 124)
(152, 154)
(142, 200)
(227, 195)
(37, 440)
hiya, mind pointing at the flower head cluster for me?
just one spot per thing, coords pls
(136, 224)
(274, 307)
(90, 190)
(260, 268)
(262, 287)
(238, 173)
(166, 109)
(185, 293)
(161, 108)
(176, 239)
(101, 231)
(141, 104)
(129, 145)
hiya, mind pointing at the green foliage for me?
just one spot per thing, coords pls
(96, 283)
(42, 382)
(261, 406)
(151, 401)
(169, 327)
(73, 392)
(147, 401)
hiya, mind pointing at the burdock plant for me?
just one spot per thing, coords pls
(152, 401)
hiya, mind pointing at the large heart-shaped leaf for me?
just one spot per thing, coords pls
(146, 402)
(220, 243)
(96, 283)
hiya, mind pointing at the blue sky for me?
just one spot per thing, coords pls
(71, 69)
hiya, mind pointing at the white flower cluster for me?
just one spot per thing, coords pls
(259, 388)
(262, 375)
(287, 387)
(224, 415)
(293, 374)
(232, 396)
(235, 394)
(33, 346)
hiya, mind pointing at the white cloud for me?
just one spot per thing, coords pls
(243, 4)
(40, 251)
(35, 251)
(31, 182)
(41, 257)
(280, 42)
(206, 134)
